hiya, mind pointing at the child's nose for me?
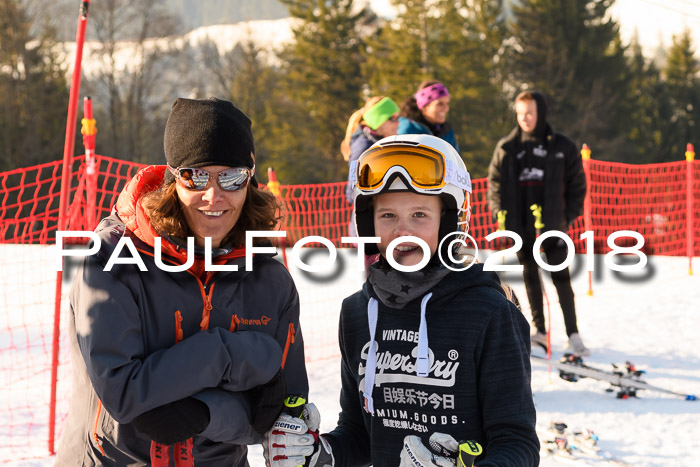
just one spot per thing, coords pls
(402, 228)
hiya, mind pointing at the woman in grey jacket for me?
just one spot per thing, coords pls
(177, 341)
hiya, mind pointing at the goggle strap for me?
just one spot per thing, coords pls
(353, 172)
(457, 177)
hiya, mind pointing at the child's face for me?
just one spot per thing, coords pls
(402, 213)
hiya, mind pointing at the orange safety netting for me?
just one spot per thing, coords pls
(650, 199)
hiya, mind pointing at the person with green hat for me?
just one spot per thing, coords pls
(376, 120)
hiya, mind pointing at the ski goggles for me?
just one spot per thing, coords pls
(424, 168)
(232, 179)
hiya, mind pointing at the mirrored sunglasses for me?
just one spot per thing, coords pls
(232, 179)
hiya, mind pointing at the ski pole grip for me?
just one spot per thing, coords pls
(537, 212)
(501, 217)
(468, 452)
(294, 406)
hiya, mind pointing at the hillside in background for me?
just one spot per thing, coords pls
(196, 13)
(189, 14)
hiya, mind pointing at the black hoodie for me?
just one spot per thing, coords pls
(478, 386)
(542, 167)
(530, 163)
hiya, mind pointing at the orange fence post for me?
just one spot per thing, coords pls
(274, 186)
(587, 224)
(63, 204)
(689, 157)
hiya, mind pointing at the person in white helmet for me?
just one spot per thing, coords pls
(430, 358)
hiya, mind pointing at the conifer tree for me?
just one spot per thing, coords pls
(468, 62)
(457, 43)
(651, 111)
(322, 78)
(246, 76)
(402, 53)
(684, 86)
(33, 88)
(571, 50)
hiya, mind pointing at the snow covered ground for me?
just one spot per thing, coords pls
(651, 319)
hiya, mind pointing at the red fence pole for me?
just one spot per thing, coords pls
(63, 203)
(689, 157)
(586, 158)
(89, 130)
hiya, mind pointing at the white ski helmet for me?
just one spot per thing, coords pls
(423, 164)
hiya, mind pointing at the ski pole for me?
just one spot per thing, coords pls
(468, 452)
(537, 212)
(539, 225)
(501, 218)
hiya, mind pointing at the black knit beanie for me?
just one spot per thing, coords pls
(207, 132)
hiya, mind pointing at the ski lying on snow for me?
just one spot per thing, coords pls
(573, 447)
(628, 379)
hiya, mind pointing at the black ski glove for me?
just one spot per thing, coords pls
(266, 402)
(177, 421)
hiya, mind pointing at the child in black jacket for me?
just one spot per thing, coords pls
(433, 353)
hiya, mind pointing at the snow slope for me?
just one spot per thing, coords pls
(652, 321)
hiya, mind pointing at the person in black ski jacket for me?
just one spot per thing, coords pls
(429, 357)
(534, 165)
(189, 357)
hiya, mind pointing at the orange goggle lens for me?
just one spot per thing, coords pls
(425, 166)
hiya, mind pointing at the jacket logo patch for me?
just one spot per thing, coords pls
(256, 322)
(539, 151)
(401, 368)
(559, 155)
(531, 174)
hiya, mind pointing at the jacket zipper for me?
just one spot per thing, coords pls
(97, 419)
(290, 340)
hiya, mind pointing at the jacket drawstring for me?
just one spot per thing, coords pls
(371, 367)
(178, 327)
(422, 359)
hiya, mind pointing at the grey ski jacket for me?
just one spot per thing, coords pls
(142, 339)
